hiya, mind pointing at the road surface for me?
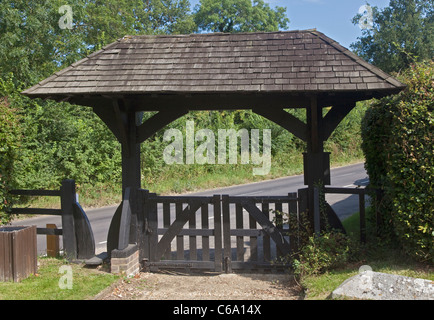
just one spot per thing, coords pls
(344, 205)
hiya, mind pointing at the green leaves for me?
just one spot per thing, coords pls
(9, 142)
(398, 142)
(239, 16)
(403, 33)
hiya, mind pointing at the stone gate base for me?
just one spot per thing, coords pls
(125, 261)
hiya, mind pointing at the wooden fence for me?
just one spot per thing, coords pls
(361, 192)
(78, 240)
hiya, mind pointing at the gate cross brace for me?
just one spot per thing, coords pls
(175, 228)
(268, 227)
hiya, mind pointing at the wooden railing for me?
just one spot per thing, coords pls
(78, 240)
(361, 192)
(39, 211)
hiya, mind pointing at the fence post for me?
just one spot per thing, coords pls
(52, 242)
(362, 216)
(67, 200)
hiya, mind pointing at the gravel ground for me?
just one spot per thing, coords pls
(179, 286)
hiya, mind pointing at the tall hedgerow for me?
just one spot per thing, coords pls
(9, 139)
(398, 143)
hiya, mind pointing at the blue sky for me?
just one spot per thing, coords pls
(331, 17)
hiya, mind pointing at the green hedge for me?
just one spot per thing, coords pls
(398, 143)
(9, 139)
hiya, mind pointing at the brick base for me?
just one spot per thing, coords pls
(125, 261)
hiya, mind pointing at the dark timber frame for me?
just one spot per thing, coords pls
(76, 232)
(263, 72)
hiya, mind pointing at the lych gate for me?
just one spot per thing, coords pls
(264, 72)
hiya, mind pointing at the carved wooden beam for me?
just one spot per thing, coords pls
(286, 120)
(157, 122)
(334, 117)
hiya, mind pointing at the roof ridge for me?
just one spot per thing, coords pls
(377, 71)
(129, 36)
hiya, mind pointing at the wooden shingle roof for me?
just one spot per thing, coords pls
(275, 62)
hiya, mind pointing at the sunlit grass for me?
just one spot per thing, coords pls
(45, 284)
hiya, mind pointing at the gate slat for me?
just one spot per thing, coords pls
(279, 223)
(205, 226)
(293, 211)
(266, 238)
(166, 224)
(218, 265)
(192, 238)
(226, 228)
(179, 238)
(239, 225)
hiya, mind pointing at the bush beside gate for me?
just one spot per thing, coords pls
(398, 142)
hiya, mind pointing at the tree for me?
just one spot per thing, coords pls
(33, 43)
(103, 24)
(9, 142)
(239, 16)
(403, 33)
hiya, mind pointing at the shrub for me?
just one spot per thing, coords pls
(330, 250)
(9, 138)
(317, 254)
(398, 143)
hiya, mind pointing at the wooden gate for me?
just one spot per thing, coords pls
(187, 232)
(260, 221)
(171, 245)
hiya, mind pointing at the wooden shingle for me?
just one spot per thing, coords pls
(275, 62)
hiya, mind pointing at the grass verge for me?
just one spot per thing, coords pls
(381, 256)
(44, 285)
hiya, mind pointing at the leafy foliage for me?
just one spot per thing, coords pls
(317, 254)
(403, 33)
(59, 141)
(239, 16)
(33, 46)
(9, 142)
(398, 142)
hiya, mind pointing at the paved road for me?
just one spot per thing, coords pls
(344, 205)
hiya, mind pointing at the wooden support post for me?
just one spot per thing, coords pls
(317, 162)
(130, 155)
(124, 228)
(53, 247)
(127, 119)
